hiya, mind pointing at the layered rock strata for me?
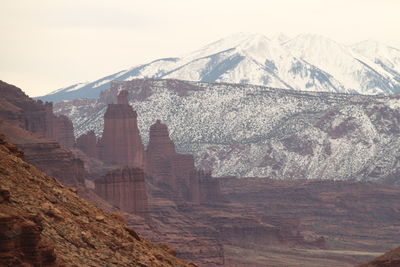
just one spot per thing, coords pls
(31, 125)
(34, 116)
(50, 158)
(125, 189)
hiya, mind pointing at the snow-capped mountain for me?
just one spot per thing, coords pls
(304, 63)
(354, 71)
(249, 130)
(385, 56)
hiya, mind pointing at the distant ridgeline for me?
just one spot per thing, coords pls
(257, 131)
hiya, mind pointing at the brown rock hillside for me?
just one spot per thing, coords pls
(43, 223)
(389, 259)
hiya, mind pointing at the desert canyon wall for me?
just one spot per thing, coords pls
(43, 137)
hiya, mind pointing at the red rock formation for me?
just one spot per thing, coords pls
(63, 131)
(21, 244)
(88, 144)
(389, 259)
(18, 109)
(125, 189)
(34, 116)
(29, 123)
(159, 142)
(74, 230)
(50, 158)
(121, 142)
(164, 164)
(209, 188)
(59, 128)
(177, 172)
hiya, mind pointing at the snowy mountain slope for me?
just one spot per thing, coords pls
(306, 63)
(248, 130)
(341, 62)
(386, 57)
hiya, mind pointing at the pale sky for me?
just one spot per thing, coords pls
(49, 44)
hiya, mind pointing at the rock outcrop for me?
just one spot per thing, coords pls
(59, 128)
(88, 144)
(31, 125)
(42, 223)
(21, 243)
(121, 143)
(58, 162)
(175, 172)
(125, 189)
(34, 116)
(389, 259)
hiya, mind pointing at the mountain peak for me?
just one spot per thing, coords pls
(226, 43)
(308, 62)
(280, 38)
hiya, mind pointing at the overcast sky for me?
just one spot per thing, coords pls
(49, 44)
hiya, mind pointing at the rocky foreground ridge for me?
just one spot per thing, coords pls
(255, 131)
(389, 259)
(43, 223)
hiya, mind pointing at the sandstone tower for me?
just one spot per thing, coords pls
(121, 142)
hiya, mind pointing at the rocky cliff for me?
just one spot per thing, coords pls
(34, 116)
(35, 129)
(59, 128)
(21, 243)
(125, 188)
(58, 162)
(42, 223)
(176, 172)
(389, 259)
(88, 144)
(121, 143)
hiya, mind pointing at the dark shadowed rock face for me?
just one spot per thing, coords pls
(21, 243)
(121, 143)
(88, 144)
(125, 189)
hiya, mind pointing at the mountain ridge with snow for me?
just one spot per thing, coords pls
(305, 63)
